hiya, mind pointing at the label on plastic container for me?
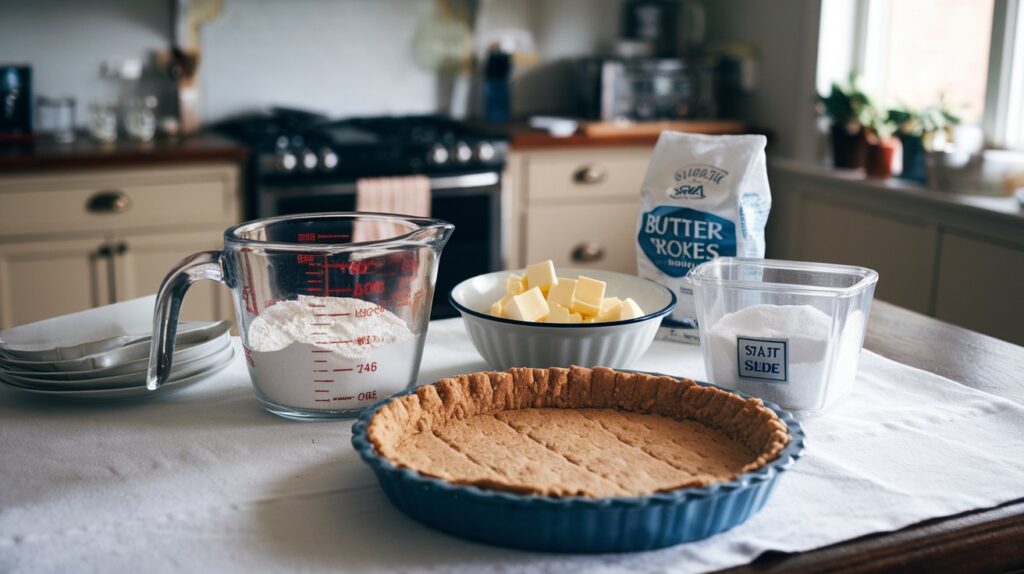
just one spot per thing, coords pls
(762, 359)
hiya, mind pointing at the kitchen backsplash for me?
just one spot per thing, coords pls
(345, 57)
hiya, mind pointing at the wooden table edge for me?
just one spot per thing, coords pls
(982, 540)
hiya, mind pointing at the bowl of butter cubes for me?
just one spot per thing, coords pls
(543, 317)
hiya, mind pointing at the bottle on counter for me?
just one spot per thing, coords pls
(497, 73)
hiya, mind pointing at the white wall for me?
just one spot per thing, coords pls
(66, 41)
(340, 57)
(343, 57)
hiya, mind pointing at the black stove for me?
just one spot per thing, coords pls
(294, 145)
(303, 162)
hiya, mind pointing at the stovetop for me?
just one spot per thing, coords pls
(296, 145)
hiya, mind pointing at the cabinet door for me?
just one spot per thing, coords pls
(980, 286)
(43, 279)
(596, 236)
(901, 251)
(147, 259)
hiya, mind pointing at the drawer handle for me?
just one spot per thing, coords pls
(110, 201)
(590, 174)
(587, 252)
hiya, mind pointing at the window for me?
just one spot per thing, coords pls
(911, 52)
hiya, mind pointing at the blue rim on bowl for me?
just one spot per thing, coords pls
(578, 524)
(659, 313)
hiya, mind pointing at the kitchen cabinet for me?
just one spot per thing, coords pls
(40, 279)
(955, 257)
(902, 251)
(72, 240)
(577, 207)
(980, 286)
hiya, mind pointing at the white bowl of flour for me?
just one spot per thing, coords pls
(788, 332)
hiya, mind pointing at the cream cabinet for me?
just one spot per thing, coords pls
(955, 257)
(980, 286)
(74, 240)
(577, 207)
(902, 250)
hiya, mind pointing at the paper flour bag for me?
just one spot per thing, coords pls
(703, 197)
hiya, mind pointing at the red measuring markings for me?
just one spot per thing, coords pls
(312, 237)
(343, 398)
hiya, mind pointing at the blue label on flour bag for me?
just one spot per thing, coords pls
(762, 359)
(677, 239)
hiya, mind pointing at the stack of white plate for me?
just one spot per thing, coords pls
(114, 367)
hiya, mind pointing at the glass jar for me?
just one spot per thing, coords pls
(56, 118)
(103, 121)
(140, 118)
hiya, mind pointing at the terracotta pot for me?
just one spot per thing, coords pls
(880, 158)
(849, 151)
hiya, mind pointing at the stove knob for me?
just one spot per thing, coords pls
(286, 162)
(281, 142)
(485, 151)
(309, 160)
(328, 159)
(438, 155)
(463, 153)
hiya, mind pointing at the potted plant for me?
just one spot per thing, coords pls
(881, 149)
(847, 106)
(920, 131)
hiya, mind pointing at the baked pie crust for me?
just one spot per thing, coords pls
(576, 432)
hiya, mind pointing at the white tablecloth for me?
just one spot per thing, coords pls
(205, 480)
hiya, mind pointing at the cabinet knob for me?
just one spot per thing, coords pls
(108, 201)
(590, 174)
(587, 252)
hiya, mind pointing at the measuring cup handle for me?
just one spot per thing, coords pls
(202, 265)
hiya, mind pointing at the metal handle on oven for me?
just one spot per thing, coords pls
(451, 183)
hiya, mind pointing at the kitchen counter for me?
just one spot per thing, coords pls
(1005, 210)
(86, 153)
(602, 134)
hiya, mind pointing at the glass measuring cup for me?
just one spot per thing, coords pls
(332, 308)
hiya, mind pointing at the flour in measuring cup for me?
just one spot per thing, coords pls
(330, 353)
(324, 321)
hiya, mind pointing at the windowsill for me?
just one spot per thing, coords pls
(1005, 208)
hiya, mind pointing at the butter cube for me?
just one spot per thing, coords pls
(541, 275)
(609, 309)
(560, 314)
(498, 307)
(630, 310)
(527, 306)
(589, 295)
(514, 285)
(563, 293)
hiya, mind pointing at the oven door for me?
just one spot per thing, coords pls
(470, 201)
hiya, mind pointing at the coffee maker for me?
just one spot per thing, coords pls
(659, 70)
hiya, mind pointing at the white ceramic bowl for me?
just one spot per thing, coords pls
(506, 343)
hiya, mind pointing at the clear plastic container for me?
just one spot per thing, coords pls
(786, 331)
